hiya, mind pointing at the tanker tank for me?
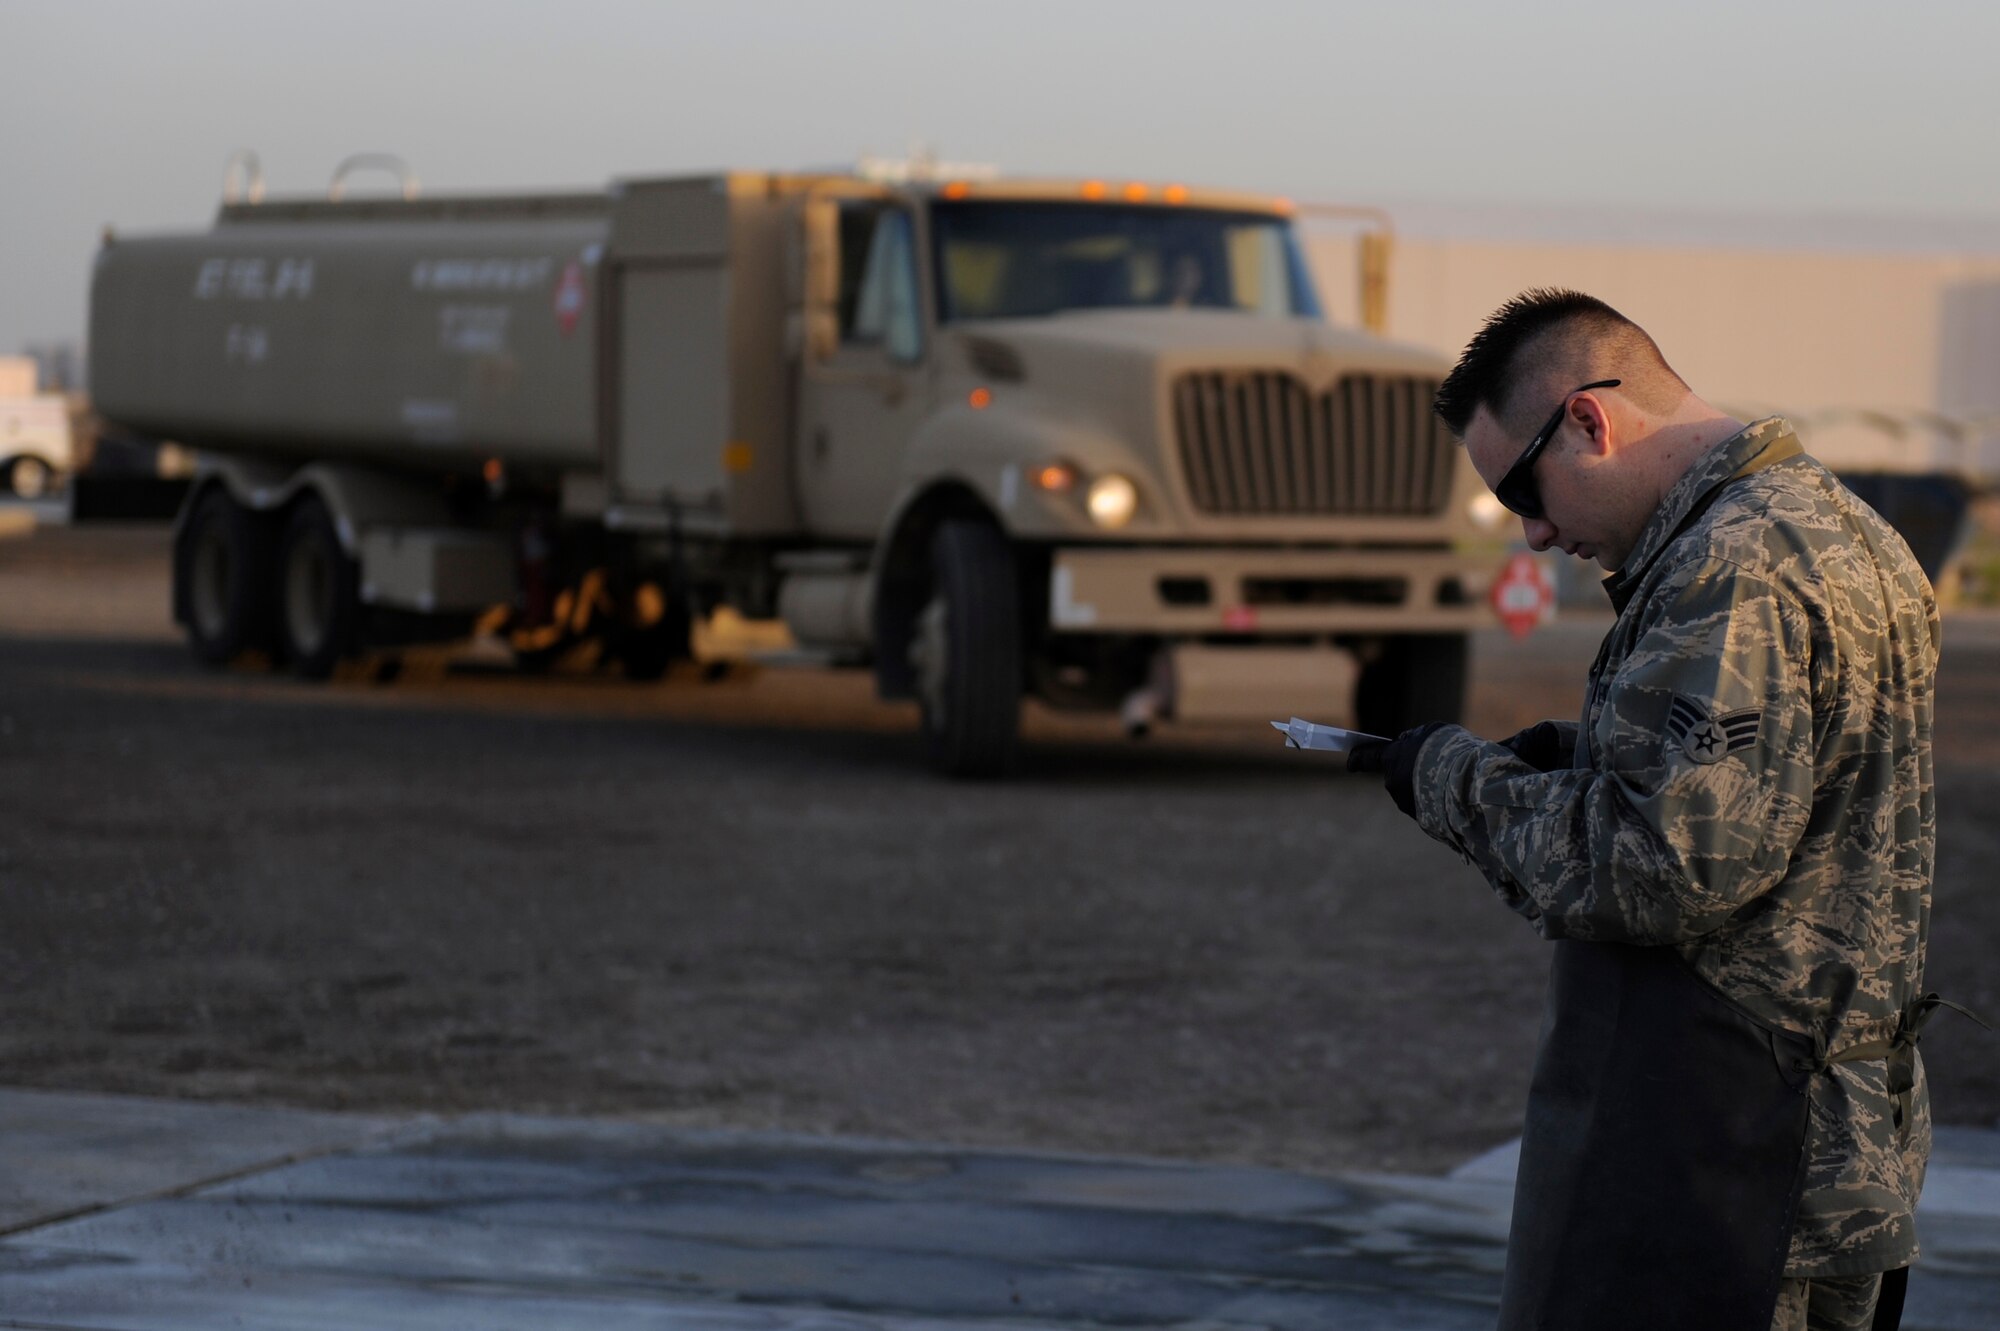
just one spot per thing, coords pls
(431, 335)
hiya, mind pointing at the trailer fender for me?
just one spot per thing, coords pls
(253, 484)
(359, 499)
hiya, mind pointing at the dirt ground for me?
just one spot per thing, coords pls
(745, 904)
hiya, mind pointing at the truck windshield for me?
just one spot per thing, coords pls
(1000, 260)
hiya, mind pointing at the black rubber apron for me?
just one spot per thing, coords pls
(1664, 1152)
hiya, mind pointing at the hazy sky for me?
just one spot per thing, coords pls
(124, 113)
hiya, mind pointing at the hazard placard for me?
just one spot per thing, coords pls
(1523, 595)
(569, 298)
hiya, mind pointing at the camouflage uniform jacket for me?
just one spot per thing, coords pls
(1752, 786)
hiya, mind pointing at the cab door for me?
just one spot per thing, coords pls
(860, 403)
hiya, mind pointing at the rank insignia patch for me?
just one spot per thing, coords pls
(1707, 738)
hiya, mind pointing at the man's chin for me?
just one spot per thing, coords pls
(1592, 555)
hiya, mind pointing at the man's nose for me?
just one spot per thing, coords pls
(1540, 533)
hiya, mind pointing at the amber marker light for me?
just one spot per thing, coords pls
(738, 457)
(649, 604)
(495, 472)
(1174, 194)
(1054, 477)
(957, 189)
(1094, 189)
(980, 398)
(1135, 193)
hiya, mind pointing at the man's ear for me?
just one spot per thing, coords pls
(1592, 417)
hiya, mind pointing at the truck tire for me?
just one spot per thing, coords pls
(1417, 678)
(222, 579)
(966, 653)
(29, 477)
(319, 603)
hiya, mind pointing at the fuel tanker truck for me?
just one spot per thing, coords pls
(1090, 443)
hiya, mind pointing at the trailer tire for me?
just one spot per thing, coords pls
(966, 652)
(1417, 678)
(222, 579)
(319, 602)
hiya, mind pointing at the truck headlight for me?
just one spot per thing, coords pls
(1487, 513)
(1112, 500)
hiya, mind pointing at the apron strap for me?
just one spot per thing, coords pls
(1910, 1023)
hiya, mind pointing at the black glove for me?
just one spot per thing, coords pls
(1545, 746)
(1396, 760)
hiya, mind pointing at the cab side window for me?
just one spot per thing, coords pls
(878, 282)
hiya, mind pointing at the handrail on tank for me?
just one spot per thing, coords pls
(405, 177)
(243, 178)
(1376, 244)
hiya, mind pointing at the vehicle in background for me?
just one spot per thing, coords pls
(37, 446)
(125, 478)
(993, 438)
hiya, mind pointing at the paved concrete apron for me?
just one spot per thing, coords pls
(503, 1221)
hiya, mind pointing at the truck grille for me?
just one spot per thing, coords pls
(1258, 442)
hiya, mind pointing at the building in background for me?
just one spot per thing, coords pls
(1880, 340)
(59, 365)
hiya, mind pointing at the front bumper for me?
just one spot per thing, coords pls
(1267, 592)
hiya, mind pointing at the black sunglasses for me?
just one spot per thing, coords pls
(1517, 488)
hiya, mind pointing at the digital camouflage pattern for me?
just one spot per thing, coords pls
(1752, 786)
(1833, 1303)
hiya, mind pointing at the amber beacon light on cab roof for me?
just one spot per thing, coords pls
(1087, 441)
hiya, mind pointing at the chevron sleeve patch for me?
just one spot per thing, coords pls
(1707, 737)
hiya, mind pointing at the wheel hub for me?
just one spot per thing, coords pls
(930, 655)
(209, 586)
(308, 596)
(30, 479)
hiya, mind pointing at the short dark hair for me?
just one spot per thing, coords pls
(1540, 332)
